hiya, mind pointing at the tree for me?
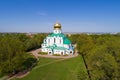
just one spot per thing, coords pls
(12, 54)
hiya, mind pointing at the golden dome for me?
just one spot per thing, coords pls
(57, 25)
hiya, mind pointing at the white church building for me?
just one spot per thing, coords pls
(57, 43)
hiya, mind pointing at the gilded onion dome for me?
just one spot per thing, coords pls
(57, 25)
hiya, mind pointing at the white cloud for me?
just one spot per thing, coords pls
(50, 24)
(42, 13)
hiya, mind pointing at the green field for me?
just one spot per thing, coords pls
(57, 69)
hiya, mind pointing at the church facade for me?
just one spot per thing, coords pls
(57, 43)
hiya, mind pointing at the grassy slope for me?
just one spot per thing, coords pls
(50, 69)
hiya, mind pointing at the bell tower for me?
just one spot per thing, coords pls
(57, 28)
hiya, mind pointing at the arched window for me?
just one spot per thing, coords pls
(48, 40)
(54, 40)
(60, 41)
(45, 40)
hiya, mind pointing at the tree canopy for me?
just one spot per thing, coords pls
(101, 54)
(13, 51)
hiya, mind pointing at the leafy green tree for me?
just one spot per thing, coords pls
(101, 64)
(101, 54)
(12, 54)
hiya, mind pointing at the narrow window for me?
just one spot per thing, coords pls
(45, 40)
(54, 40)
(60, 41)
(49, 40)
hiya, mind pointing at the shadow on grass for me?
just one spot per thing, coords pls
(28, 64)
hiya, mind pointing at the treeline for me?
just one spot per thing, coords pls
(13, 51)
(101, 54)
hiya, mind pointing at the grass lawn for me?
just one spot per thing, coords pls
(56, 69)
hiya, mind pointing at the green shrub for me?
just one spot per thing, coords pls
(65, 55)
(43, 53)
(56, 55)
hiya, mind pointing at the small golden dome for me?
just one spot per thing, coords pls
(57, 25)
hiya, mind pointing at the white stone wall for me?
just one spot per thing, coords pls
(56, 31)
(58, 41)
(44, 50)
(66, 46)
(59, 52)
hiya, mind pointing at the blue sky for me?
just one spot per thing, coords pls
(74, 15)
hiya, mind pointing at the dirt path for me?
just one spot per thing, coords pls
(35, 53)
(26, 72)
(49, 63)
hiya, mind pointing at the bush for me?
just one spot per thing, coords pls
(30, 61)
(43, 53)
(56, 55)
(65, 55)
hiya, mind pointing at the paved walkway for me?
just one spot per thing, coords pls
(50, 63)
(35, 53)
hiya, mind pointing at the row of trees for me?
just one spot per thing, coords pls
(13, 51)
(31, 41)
(101, 54)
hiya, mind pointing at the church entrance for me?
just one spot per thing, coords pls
(61, 53)
(71, 52)
(50, 53)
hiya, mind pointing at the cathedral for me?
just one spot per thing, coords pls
(57, 43)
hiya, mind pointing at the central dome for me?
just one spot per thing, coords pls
(57, 25)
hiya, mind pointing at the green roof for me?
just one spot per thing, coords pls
(57, 48)
(60, 48)
(50, 47)
(66, 41)
(56, 35)
(44, 43)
